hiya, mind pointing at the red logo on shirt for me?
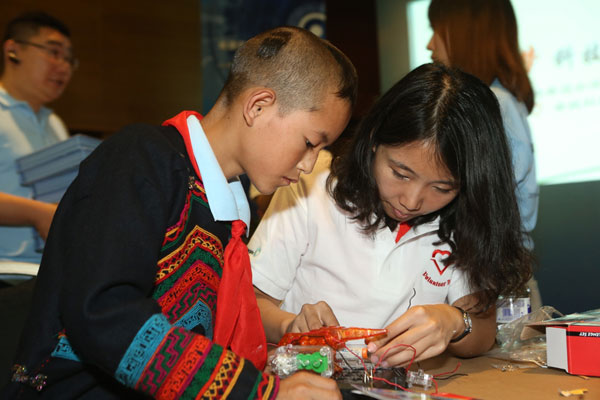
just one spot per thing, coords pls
(438, 257)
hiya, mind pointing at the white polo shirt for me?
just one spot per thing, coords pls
(306, 249)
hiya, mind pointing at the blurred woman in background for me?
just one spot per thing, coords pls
(480, 37)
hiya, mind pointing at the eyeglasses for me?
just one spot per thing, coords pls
(55, 52)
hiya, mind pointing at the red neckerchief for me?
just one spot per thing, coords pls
(402, 229)
(238, 324)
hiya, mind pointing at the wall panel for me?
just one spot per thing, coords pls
(139, 60)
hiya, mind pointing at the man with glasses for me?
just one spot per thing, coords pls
(37, 66)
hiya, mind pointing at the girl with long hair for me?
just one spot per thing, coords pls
(415, 228)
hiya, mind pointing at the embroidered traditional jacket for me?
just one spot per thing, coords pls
(126, 294)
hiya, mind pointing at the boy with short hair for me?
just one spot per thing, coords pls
(149, 233)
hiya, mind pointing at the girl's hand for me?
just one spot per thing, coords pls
(312, 316)
(427, 328)
(306, 385)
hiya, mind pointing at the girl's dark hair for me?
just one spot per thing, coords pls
(459, 115)
(481, 38)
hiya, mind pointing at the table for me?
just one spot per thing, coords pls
(483, 381)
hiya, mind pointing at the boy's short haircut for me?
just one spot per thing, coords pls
(299, 66)
(28, 24)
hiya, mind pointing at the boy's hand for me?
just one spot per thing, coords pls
(306, 385)
(278, 322)
(312, 316)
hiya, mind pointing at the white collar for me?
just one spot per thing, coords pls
(8, 101)
(227, 200)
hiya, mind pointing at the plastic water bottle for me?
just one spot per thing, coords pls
(511, 308)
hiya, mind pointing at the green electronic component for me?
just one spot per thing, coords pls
(316, 362)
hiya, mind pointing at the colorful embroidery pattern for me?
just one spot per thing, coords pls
(197, 193)
(188, 300)
(161, 373)
(199, 244)
(64, 350)
(267, 387)
(166, 359)
(228, 371)
(188, 277)
(186, 364)
(188, 280)
(201, 315)
(144, 344)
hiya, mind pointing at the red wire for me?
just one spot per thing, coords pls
(379, 362)
(449, 372)
(393, 347)
(392, 383)
(407, 368)
(383, 357)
